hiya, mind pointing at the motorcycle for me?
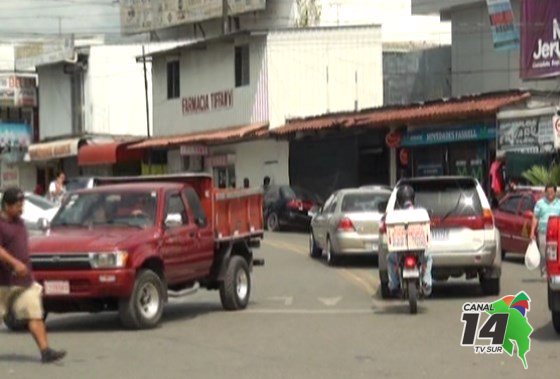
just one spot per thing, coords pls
(409, 235)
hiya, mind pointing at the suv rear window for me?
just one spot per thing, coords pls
(447, 198)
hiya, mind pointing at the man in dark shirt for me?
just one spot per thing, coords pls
(19, 294)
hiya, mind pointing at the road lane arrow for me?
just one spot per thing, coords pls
(330, 301)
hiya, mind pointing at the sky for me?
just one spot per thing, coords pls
(29, 18)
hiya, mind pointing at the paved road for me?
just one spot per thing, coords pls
(306, 320)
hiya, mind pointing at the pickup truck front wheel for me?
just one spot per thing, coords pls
(144, 308)
(236, 286)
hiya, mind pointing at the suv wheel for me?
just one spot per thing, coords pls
(490, 286)
(144, 308)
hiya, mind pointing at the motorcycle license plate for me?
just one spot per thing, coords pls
(397, 237)
(409, 273)
(60, 287)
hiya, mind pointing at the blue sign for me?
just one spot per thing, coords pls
(14, 141)
(440, 136)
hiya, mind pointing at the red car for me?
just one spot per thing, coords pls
(513, 218)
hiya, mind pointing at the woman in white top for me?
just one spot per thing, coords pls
(57, 188)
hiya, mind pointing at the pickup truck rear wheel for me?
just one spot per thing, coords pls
(144, 308)
(236, 286)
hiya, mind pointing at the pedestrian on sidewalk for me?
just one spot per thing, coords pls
(548, 206)
(19, 294)
(57, 188)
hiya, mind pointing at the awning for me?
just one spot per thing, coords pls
(54, 150)
(107, 154)
(473, 107)
(228, 135)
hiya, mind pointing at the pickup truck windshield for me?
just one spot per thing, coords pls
(134, 209)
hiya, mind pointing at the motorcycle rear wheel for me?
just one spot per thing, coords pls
(412, 297)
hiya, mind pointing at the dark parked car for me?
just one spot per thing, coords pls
(288, 206)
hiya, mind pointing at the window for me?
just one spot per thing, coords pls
(241, 66)
(528, 204)
(272, 195)
(175, 206)
(511, 204)
(173, 80)
(196, 206)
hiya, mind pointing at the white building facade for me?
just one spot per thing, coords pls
(97, 98)
(261, 78)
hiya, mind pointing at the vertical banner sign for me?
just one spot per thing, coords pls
(540, 39)
(504, 32)
(556, 130)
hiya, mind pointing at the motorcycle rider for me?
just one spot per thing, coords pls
(405, 200)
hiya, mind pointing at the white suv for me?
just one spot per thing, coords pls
(465, 240)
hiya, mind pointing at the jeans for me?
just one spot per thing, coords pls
(393, 270)
(542, 249)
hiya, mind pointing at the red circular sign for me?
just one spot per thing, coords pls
(393, 139)
(403, 156)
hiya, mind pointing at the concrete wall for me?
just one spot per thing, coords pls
(477, 66)
(418, 75)
(115, 101)
(55, 95)
(316, 71)
(257, 159)
(204, 71)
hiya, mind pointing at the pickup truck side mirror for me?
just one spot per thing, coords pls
(43, 224)
(528, 214)
(315, 211)
(201, 222)
(173, 220)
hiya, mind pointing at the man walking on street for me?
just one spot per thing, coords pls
(548, 206)
(19, 294)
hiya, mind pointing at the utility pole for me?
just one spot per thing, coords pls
(146, 91)
(225, 7)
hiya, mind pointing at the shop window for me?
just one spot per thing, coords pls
(193, 163)
(225, 177)
(241, 66)
(173, 80)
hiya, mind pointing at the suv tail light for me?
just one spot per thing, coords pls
(552, 231)
(488, 219)
(346, 225)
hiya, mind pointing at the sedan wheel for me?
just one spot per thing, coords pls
(332, 258)
(314, 250)
(272, 222)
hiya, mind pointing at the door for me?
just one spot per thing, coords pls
(522, 233)
(318, 223)
(506, 219)
(179, 241)
(203, 254)
(324, 220)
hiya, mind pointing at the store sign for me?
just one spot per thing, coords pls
(526, 135)
(33, 54)
(194, 150)
(504, 32)
(52, 150)
(139, 16)
(14, 136)
(435, 137)
(393, 139)
(404, 156)
(540, 39)
(18, 91)
(10, 175)
(207, 102)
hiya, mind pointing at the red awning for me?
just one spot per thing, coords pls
(107, 154)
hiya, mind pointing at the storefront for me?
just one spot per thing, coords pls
(110, 158)
(527, 139)
(464, 150)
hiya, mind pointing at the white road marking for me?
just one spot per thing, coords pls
(288, 300)
(330, 301)
(310, 311)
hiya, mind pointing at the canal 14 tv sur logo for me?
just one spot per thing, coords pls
(498, 327)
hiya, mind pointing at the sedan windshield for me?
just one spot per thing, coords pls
(136, 209)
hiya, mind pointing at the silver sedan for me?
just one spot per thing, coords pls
(348, 223)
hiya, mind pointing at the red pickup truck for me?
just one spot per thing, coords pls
(553, 269)
(131, 243)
